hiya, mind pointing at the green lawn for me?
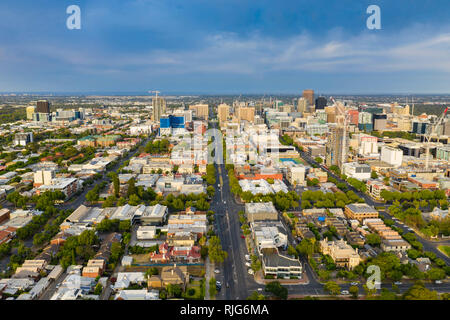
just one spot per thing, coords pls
(445, 250)
(197, 286)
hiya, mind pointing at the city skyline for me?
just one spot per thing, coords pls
(225, 47)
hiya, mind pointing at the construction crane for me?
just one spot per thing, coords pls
(155, 91)
(432, 133)
(341, 108)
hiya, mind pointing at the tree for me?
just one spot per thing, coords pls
(116, 251)
(215, 252)
(277, 289)
(332, 288)
(354, 291)
(373, 239)
(124, 225)
(131, 187)
(134, 200)
(92, 196)
(174, 290)
(98, 289)
(256, 296)
(306, 247)
(211, 191)
(435, 274)
(318, 160)
(419, 292)
(291, 251)
(374, 175)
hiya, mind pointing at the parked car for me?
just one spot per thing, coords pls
(354, 283)
(345, 292)
(242, 236)
(250, 271)
(397, 283)
(217, 271)
(438, 282)
(248, 264)
(247, 257)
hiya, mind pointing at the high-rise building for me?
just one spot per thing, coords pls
(379, 122)
(309, 95)
(223, 110)
(392, 156)
(43, 106)
(159, 107)
(30, 111)
(321, 103)
(334, 147)
(302, 105)
(446, 128)
(200, 110)
(246, 113)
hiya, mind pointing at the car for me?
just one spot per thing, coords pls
(217, 271)
(248, 264)
(438, 282)
(397, 283)
(250, 271)
(354, 283)
(218, 283)
(260, 289)
(242, 236)
(345, 292)
(247, 257)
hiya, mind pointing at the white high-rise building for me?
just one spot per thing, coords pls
(392, 156)
(368, 145)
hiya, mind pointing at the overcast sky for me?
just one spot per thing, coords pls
(232, 46)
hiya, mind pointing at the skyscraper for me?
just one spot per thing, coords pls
(30, 111)
(223, 111)
(201, 110)
(302, 105)
(334, 147)
(43, 106)
(321, 103)
(246, 113)
(159, 107)
(309, 95)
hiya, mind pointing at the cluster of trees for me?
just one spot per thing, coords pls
(78, 249)
(281, 200)
(23, 253)
(44, 202)
(114, 225)
(210, 174)
(277, 290)
(394, 134)
(51, 228)
(93, 195)
(320, 199)
(411, 214)
(215, 252)
(157, 147)
(142, 250)
(12, 114)
(425, 194)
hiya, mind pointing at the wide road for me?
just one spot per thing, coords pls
(237, 284)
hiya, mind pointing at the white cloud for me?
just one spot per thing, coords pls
(413, 49)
